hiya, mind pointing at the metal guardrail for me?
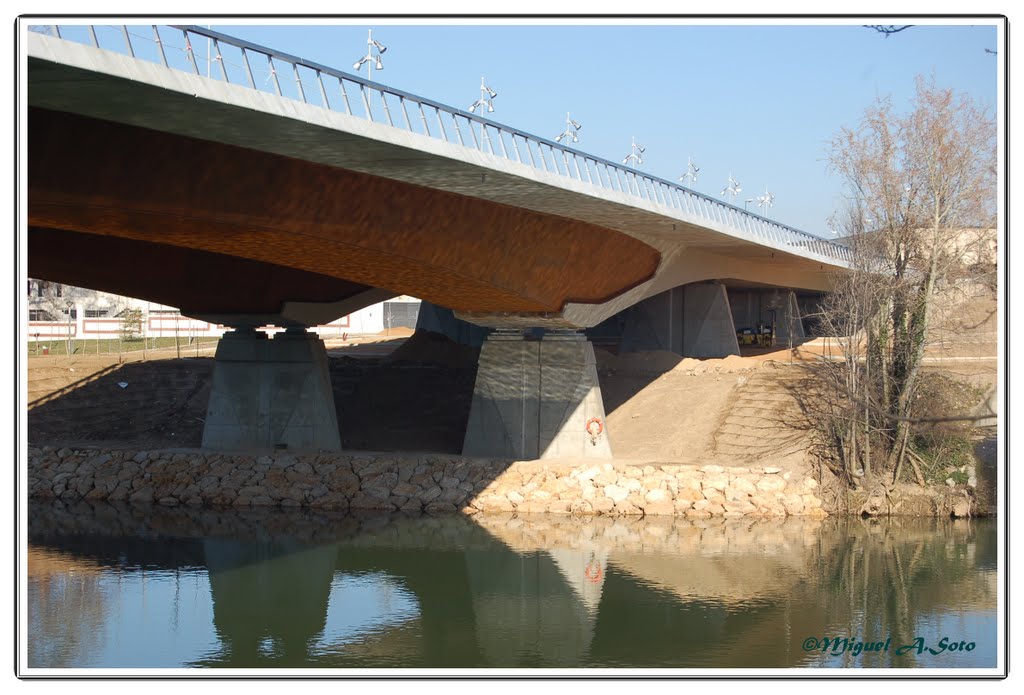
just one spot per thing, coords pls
(230, 57)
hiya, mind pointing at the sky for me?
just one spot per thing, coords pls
(758, 101)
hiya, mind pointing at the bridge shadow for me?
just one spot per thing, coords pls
(384, 402)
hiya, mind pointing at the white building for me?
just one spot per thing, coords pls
(58, 311)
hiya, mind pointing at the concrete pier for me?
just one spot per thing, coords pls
(708, 329)
(537, 399)
(271, 394)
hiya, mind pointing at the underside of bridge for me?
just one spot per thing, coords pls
(281, 230)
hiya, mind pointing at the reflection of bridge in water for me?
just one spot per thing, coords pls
(562, 592)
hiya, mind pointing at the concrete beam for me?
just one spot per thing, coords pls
(537, 399)
(271, 394)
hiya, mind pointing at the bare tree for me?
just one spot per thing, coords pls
(917, 181)
(888, 29)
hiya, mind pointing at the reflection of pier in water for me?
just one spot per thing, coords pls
(546, 592)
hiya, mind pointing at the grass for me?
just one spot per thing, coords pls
(105, 346)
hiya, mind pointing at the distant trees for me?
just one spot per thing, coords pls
(917, 181)
(131, 324)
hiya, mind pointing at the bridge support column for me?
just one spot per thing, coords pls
(788, 325)
(537, 399)
(708, 329)
(271, 394)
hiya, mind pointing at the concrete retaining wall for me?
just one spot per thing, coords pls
(431, 483)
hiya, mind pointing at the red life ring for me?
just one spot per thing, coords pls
(593, 572)
(600, 426)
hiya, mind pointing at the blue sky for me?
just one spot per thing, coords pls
(758, 101)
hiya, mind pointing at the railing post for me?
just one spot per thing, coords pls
(298, 82)
(248, 70)
(127, 40)
(160, 45)
(191, 54)
(273, 74)
(220, 59)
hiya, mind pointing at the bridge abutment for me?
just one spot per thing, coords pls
(537, 399)
(271, 394)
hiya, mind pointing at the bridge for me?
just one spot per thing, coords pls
(278, 190)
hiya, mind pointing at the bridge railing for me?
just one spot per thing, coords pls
(219, 56)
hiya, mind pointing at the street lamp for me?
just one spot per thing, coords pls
(733, 188)
(767, 200)
(486, 98)
(370, 59)
(691, 171)
(571, 127)
(636, 154)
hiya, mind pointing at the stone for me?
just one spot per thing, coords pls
(253, 491)
(429, 494)
(332, 500)
(581, 507)
(742, 484)
(405, 490)
(364, 501)
(793, 504)
(660, 508)
(771, 483)
(739, 507)
(655, 496)
(627, 508)
(144, 494)
(494, 503)
(681, 506)
(712, 469)
(514, 497)
(707, 506)
(615, 493)
(602, 505)
(169, 501)
(715, 482)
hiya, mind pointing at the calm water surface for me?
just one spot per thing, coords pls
(112, 587)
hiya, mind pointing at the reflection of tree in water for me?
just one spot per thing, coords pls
(890, 578)
(66, 610)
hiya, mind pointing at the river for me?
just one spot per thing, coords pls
(113, 587)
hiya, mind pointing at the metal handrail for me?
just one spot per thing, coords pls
(556, 159)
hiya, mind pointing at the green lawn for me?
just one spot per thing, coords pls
(104, 346)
